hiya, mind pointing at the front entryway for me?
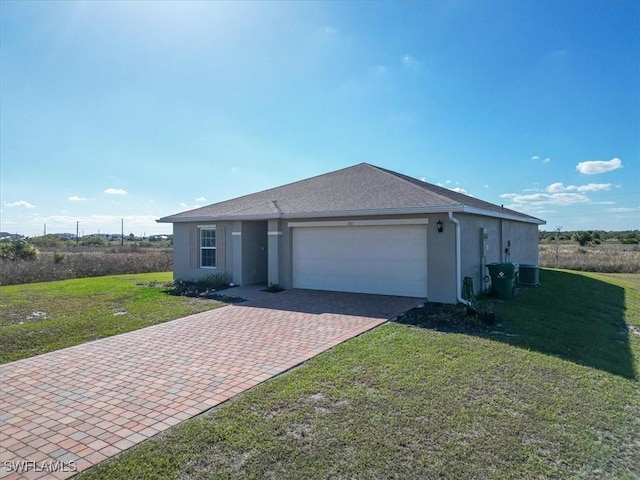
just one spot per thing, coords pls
(254, 253)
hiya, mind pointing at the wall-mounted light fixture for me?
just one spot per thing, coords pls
(439, 226)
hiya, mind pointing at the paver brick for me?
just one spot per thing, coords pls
(92, 401)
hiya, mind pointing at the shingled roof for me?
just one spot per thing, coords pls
(362, 189)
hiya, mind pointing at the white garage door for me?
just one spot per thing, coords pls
(390, 259)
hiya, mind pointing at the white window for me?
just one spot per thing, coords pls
(208, 247)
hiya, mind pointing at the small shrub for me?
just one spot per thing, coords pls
(628, 239)
(58, 257)
(273, 288)
(583, 238)
(93, 241)
(47, 241)
(18, 250)
(204, 287)
(215, 281)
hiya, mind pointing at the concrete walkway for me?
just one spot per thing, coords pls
(64, 411)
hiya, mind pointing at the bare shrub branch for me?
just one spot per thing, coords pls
(51, 266)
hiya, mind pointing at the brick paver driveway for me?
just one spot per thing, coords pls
(67, 410)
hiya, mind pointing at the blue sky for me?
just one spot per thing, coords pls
(137, 110)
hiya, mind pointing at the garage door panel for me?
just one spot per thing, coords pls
(370, 259)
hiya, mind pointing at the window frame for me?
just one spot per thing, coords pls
(202, 248)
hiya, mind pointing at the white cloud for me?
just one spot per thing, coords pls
(115, 191)
(408, 61)
(555, 188)
(594, 187)
(594, 167)
(20, 203)
(201, 199)
(183, 205)
(536, 199)
(459, 190)
(621, 210)
(590, 187)
(535, 158)
(76, 198)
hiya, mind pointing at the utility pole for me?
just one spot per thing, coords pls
(122, 231)
(558, 229)
(77, 233)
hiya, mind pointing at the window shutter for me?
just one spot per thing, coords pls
(221, 241)
(193, 248)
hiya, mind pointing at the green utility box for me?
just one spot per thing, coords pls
(503, 278)
(529, 275)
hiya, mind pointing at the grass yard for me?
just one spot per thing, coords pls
(42, 317)
(551, 392)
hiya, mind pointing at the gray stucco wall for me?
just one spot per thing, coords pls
(520, 238)
(281, 266)
(286, 256)
(524, 242)
(480, 244)
(441, 261)
(182, 250)
(262, 251)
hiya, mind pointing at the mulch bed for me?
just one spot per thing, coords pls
(448, 318)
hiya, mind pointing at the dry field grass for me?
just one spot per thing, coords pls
(608, 257)
(85, 262)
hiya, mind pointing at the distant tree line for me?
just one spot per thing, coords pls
(27, 248)
(591, 237)
(58, 241)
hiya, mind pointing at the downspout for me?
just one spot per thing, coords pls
(456, 222)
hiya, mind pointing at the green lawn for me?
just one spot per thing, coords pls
(42, 317)
(551, 393)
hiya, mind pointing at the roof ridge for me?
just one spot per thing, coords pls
(275, 188)
(269, 190)
(253, 205)
(447, 193)
(411, 182)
